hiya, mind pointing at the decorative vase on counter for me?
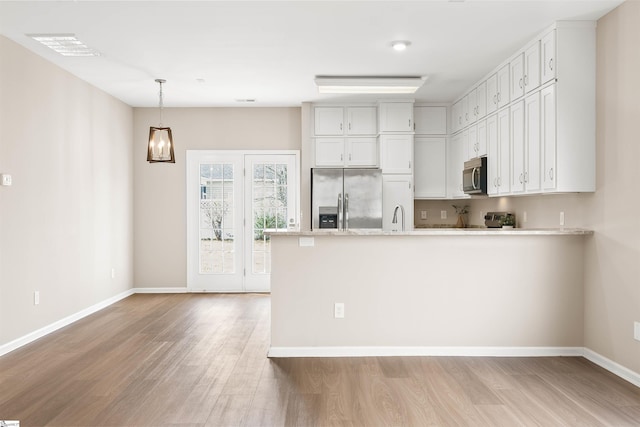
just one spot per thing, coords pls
(460, 223)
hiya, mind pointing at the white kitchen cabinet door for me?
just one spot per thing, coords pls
(361, 152)
(456, 117)
(455, 166)
(362, 120)
(548, 57)
(517, 147)
(532, 67)
(532, 143)
(430, 175)
(329, 152)
(465, 111)
(517, 76)
(397, 190)
(430, 120)
(548, 137)
(472, 143)
(472, 106)
(493, 155)
(503, 96)
(492, 94)
(396, 117)
(465, 145)
(328, 121)
(396, 154)
(481, 100)
(504, 167)
(498, 158)
(481, 138)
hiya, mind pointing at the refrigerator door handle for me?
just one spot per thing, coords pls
(339, 211)
(346, 211)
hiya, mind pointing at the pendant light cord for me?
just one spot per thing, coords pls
(160, 101)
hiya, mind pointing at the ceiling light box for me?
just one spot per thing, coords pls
(344, 84)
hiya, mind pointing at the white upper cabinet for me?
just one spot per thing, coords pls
(492, 94)
(548, 57)
(456, 117)
(503, 95)
(481, 138)
(548, 137)
(430, 174)
(430, 120)
(396, 154)
(396, 117)
(455, 166)
(362, 121)
(532, 171)
(517, 76)
(328, 121)
(336, 121)
(481, 99)
(472, 107)
(531, 76)
(346, 152)
(517, 147)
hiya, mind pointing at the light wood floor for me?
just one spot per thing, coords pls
(200, 360)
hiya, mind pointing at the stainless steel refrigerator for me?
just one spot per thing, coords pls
(346, 198)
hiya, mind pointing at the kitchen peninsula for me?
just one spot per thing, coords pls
(424, 292)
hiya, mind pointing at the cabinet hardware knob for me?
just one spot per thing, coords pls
(520, 83)
(526, 80)
(340, 126)
(551, 173)
(349, 125)
(551, 64)
(499, 96)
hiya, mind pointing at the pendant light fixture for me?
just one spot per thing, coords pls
(160, 148)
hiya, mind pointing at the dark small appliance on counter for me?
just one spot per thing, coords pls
(495, 219)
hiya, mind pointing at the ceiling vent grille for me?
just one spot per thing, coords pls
(65, 44)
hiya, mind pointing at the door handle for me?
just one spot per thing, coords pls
(339, 211)
(346, 211)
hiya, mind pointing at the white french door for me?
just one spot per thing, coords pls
(232, 197)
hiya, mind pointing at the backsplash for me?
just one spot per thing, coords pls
(541, 211)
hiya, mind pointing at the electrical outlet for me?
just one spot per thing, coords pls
(443, 214)
(561, 218)
(36, 297)
(636, 331)
(338, 310)
(423, 215)
(524, 216)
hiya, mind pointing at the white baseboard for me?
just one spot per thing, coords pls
(160, 290)
(423, 351)
(613, 367)
(26, 339)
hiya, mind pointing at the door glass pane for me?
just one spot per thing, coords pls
(217, 228)
(269, 210)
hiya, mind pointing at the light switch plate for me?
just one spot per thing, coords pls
(423, 214)
(443, 214)
(338, 310)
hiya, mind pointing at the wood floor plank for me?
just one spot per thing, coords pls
(200, 359)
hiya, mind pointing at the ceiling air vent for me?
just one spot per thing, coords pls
(65, 44)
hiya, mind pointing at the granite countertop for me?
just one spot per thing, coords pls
(473, 231)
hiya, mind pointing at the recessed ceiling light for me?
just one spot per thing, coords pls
(400, 45)
(65, 44)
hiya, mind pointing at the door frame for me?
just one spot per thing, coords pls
(193, 158)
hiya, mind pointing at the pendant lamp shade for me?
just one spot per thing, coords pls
(160, 148)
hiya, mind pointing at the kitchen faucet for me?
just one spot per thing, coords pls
(395, 215)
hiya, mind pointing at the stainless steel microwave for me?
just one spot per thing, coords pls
(474, 176)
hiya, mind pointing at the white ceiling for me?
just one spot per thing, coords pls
(271, 51)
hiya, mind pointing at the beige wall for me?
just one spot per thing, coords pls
(67, 220)
(160, 193)
(612, 274)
